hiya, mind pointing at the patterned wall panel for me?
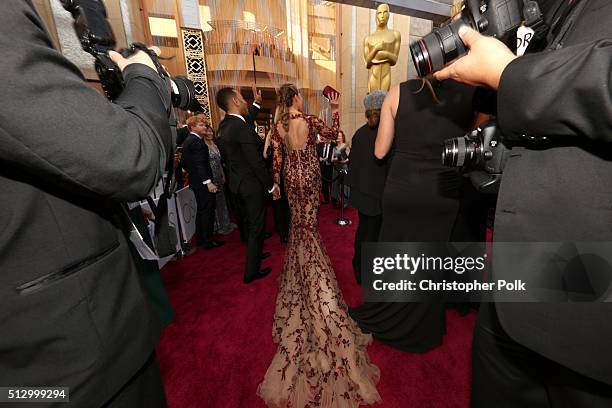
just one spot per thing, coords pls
(195, 62)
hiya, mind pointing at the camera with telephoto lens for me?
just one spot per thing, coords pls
(497, 18)
(481, 153)
(97, 38)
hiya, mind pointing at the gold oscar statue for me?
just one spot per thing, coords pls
(380, 50)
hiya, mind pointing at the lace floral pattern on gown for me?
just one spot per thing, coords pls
(321, 359)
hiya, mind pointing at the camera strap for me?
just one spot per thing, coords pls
(534, 18)
(568, 17)
(550, 30)
(162, 241)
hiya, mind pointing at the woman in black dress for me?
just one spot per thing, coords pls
(421, 197)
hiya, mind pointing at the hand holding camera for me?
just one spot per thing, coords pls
(493, 18)
(483, 65)
(140, 57)
(97, 38)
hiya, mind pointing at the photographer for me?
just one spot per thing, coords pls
(555, 107)
(72, 310)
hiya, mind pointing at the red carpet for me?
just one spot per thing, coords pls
(218, 348)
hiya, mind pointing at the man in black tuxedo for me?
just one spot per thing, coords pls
(72, 311)
(196, 161)
(254, 109)
(366, 176)
(556, 108)
(325, 151)
(249, 179)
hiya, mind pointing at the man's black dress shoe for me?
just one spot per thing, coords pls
(258, 275)
(325, 202)
(265, 255)
(267, 234)
(213, 244)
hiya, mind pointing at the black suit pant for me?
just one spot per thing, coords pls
(253, 209)
(327, 173)
(507, 375)
(144, 390)
(282, 216)
(367, 231)
(205, 216)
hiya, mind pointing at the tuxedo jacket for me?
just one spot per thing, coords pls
(72, 312)
(242, 150)
(196, 160)
(562, 190)
(366, 173)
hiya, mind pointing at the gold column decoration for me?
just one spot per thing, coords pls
(195, 64)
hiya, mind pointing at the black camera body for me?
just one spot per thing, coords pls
(97, 38)
(497, 18)
(482, 153)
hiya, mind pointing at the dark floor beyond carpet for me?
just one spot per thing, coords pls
(218, 348)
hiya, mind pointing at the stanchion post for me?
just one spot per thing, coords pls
(342, 221)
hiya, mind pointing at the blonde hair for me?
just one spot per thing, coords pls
(191, 121)
(426, 82)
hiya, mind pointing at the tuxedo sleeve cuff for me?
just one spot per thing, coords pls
(513, 99)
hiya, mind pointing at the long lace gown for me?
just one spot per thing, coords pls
(321, 359)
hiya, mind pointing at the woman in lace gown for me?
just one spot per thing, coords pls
(321, 359)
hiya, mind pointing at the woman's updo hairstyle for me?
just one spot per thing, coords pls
(285, 100)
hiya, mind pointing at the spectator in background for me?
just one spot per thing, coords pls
(325, 152)
(223, 225)
(340, 161)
